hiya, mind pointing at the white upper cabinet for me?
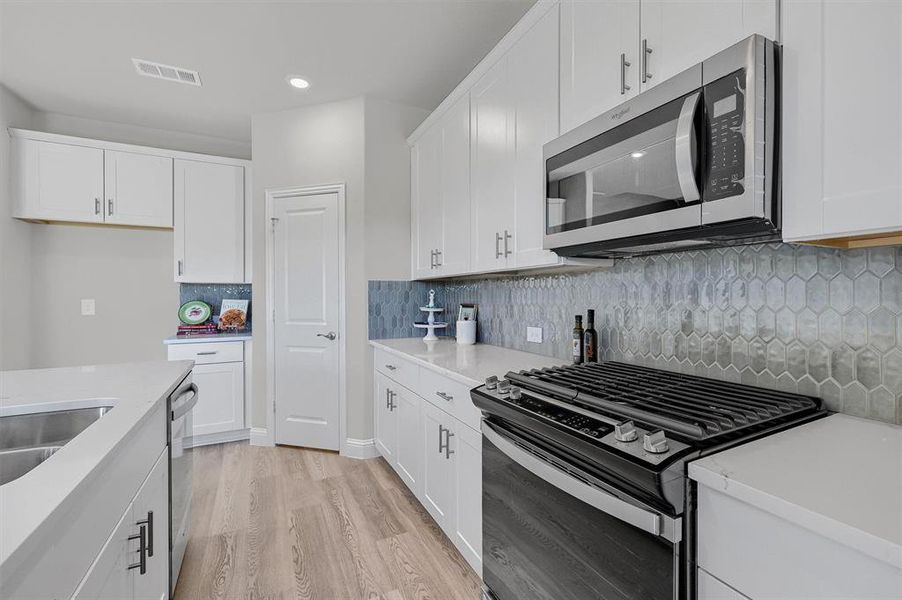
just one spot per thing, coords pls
(427, 201)
(676, 34)
(57, 182)
(138, 189)
(440, 168)
(534, 69)
(209, 222)
(599, 57)
(842, 152)
(492, 169)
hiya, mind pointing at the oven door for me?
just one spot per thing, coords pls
(633, 172)
(558, 535)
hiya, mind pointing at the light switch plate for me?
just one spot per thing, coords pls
(534, 334)
(87, 307)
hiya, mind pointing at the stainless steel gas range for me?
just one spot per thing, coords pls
(585, 493)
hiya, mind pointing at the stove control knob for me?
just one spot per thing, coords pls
(655, 442)
(504, 387)
(515, 393)
(625, 431)
(491, 382)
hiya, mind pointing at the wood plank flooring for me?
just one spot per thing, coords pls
(296, 523)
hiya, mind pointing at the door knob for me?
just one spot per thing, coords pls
(329, 336)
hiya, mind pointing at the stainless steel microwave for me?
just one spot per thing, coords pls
(692, 162)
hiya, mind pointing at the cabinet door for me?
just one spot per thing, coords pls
(220, 398)
(438, 465)
(426, 168)
(109, 576)
(841, 154)
(138, 189)
(468, 494)
(59, 182)
(455, 185)
(151, 508)
(534, 77)
(209, 222)
(681, 33)
(410, 438)
(492, 169)
(711, 588)
(594, 35)
(386, 423)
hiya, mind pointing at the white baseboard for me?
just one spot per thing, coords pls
(218, 438)
(260, 437)
(360, 448)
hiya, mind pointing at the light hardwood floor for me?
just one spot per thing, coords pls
(296, 523)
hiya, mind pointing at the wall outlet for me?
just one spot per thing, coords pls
(87, 307)
(534, 334)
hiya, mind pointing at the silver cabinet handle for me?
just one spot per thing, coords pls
(623, 65)
(179, 268)
(445, 396)
(391, 400)
(109, 207)
(141, 565)
(507, 238)
(432, 259)
(646, 50)
(210, 353)
(448, 450)
(386, 398)
(391, 367)
(96, 206)
(437, 261)
(498, 245)
(441, 446)
(149, 522)
(329, 336)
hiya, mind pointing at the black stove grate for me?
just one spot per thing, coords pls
(694, 407)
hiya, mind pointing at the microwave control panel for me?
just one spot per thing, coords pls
(725, 107)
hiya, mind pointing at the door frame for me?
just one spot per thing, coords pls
(272, 196)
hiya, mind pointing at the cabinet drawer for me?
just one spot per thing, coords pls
(449, 395)
(403, 371)
(207, 353)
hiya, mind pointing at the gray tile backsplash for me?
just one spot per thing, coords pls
(818, 321)
(214, 293)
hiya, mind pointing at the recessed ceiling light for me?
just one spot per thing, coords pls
(637, 154)
(297, 82)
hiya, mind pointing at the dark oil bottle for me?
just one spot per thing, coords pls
(578, 356)
(591, 338)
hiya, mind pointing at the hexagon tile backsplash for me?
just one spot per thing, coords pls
(819, 321)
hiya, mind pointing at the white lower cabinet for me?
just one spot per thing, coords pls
(134, 562)
(437, 455)
(219, 373)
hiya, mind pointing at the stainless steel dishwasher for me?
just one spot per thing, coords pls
(181, 468)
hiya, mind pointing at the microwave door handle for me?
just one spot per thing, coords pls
(685, 148)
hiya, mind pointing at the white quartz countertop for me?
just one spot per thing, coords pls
(469, 365)
(840, 477)
(207, 338)
(132, 389)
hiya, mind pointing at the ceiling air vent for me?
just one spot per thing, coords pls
(167, 72)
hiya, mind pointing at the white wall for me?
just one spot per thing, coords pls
(127, 271)
(16, 314)
(141, 136)
(362, 143)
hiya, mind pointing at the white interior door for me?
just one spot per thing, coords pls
(306, 302)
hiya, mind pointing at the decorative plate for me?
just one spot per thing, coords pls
(195, 312)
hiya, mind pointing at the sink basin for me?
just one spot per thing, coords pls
(15, 463)
(28, 440)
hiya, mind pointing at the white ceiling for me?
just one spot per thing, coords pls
(75, 57)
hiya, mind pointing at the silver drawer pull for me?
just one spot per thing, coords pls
(391, 367)
(210, 353)
(445, 396)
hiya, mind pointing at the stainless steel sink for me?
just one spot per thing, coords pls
(28, 440)
(15, 463)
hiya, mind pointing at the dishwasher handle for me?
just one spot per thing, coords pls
(180, 410)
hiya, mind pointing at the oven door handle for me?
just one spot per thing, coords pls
(646, 520)
(182, 409)
(685, 144)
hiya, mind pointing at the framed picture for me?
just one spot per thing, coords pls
(467, 312)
